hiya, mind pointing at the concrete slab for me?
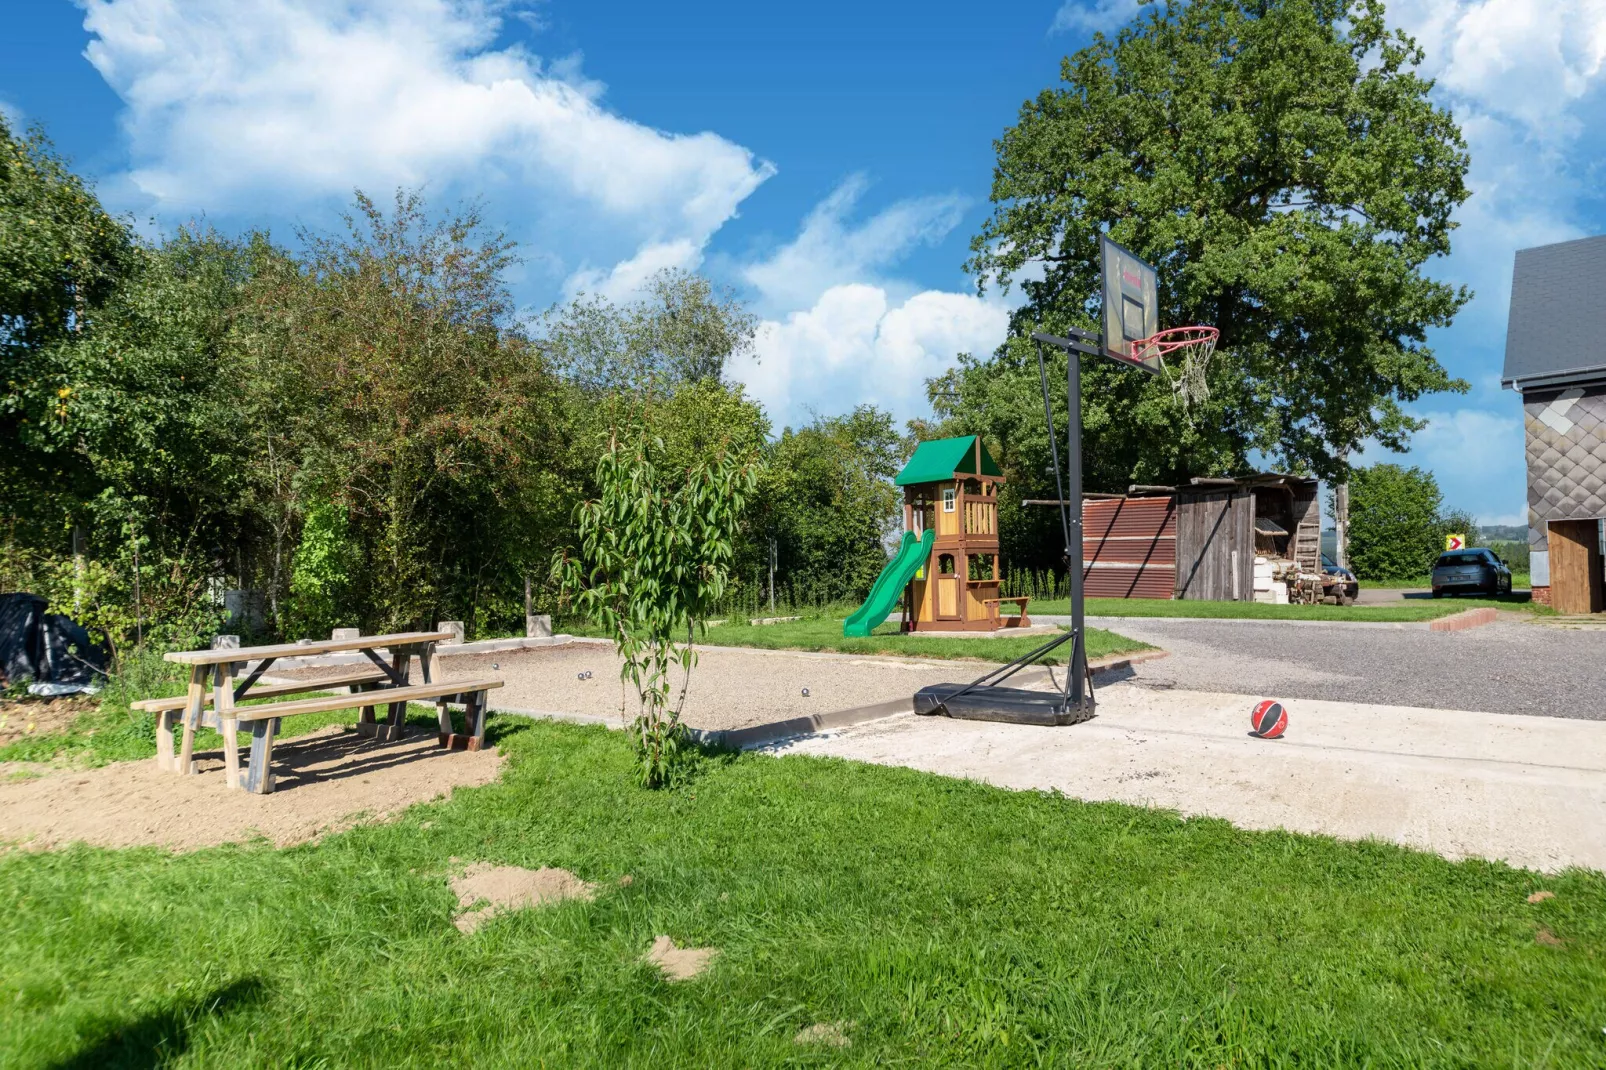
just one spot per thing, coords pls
(1527, 790)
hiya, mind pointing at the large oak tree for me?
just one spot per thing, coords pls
(1282, 165)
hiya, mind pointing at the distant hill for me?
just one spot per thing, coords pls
(1503, 532)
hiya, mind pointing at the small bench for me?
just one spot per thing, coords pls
(994, 606)
(264, 722)
(361, 679)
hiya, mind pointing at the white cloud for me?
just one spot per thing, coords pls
(627, 277)
(13, 115)
(830, 250)
(1477, 456)
(233, 102)
(855, 345)
(1102, 15)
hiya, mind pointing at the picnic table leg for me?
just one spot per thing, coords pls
(192, 718)
(259, 774)
(474, 720)
(401, 660)
(223, 706)
(164, 740)
(473, 735)
(443, 713)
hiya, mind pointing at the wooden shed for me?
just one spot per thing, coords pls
(1197, 541)
(1224, 524)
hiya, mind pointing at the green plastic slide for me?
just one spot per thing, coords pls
(911, 555)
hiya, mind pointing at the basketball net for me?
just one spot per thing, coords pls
(1190, 350)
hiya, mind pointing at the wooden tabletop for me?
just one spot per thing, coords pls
(291, 650)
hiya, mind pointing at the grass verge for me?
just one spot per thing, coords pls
(944, 921)
(1405, 611)
(825, 634)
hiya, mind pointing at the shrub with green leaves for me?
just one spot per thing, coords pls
(1395, 529)
(656, 548)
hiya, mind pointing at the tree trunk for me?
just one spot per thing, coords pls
(1341, 524)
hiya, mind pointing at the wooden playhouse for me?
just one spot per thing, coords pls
(950, 486)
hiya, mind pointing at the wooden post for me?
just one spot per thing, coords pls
(401, 660)
(192, 718)
(164, 740)
(223, 707)
(259, 776)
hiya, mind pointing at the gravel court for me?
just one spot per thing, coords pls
(1507, 667)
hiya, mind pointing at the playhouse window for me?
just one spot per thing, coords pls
(945, 565)
(948, 499)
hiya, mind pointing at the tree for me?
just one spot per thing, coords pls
(679, 330)
(62, 257)
(412, 401)
(1395, 529)
(654, 557)
(1280, 163)
(828, 502)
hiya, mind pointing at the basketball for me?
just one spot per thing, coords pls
(1268, 719)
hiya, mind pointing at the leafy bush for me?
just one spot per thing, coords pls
(654, 560)
(1395, 528)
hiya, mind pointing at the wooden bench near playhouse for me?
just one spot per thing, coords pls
(1019, 620)
(213, 699)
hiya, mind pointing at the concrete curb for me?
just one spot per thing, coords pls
(1460, 622)
(1388, 625)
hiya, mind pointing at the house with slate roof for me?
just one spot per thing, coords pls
(1556, 359)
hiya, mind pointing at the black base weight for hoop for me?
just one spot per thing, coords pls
(984, 699)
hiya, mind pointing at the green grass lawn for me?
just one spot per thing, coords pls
(1518, 580)
(948, 922)
(1412, 610)
(825, 633)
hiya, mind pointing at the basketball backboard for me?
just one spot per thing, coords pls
(1131, 303)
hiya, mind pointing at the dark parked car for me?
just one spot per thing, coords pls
(1338, 582)
(1471, 571)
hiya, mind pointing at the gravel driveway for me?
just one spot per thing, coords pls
(1508, 667)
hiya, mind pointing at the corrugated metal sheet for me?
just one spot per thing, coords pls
(1114, 581)
(1129, 547)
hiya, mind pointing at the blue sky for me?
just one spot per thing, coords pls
(830, 160)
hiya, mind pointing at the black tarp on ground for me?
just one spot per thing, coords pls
(50, 650)
(19, 636)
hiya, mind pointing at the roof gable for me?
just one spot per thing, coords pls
(1556, 333)
(941, 459)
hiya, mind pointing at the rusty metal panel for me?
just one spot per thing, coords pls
(1135, 551)
(1129, 517)
(1129, 581)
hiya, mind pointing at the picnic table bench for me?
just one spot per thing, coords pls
(386, 684)
(993, 608)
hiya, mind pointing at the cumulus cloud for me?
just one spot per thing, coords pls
(1074, 16)
(857, 345)
(830, 249)
(232, 101)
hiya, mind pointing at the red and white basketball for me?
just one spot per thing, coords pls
(1269, 719)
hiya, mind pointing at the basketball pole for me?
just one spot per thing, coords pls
(1070, 494)
(1073, 464)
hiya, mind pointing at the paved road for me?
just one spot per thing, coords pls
(1502, 668)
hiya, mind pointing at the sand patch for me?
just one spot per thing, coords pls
(512, 888)
(680, 963)
(21, 718)
(831, 1034)
(327, 781)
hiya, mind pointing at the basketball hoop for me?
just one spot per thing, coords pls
(1191, 348)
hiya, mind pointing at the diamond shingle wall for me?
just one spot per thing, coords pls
(1566, 434)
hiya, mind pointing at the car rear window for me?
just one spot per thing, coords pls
(1470, 557)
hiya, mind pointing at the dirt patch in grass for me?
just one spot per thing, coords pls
(830, 1034)
(680, 963)
(326, 781)
(20, 718)
(512, 888)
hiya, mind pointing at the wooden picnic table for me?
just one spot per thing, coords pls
(224, 664)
